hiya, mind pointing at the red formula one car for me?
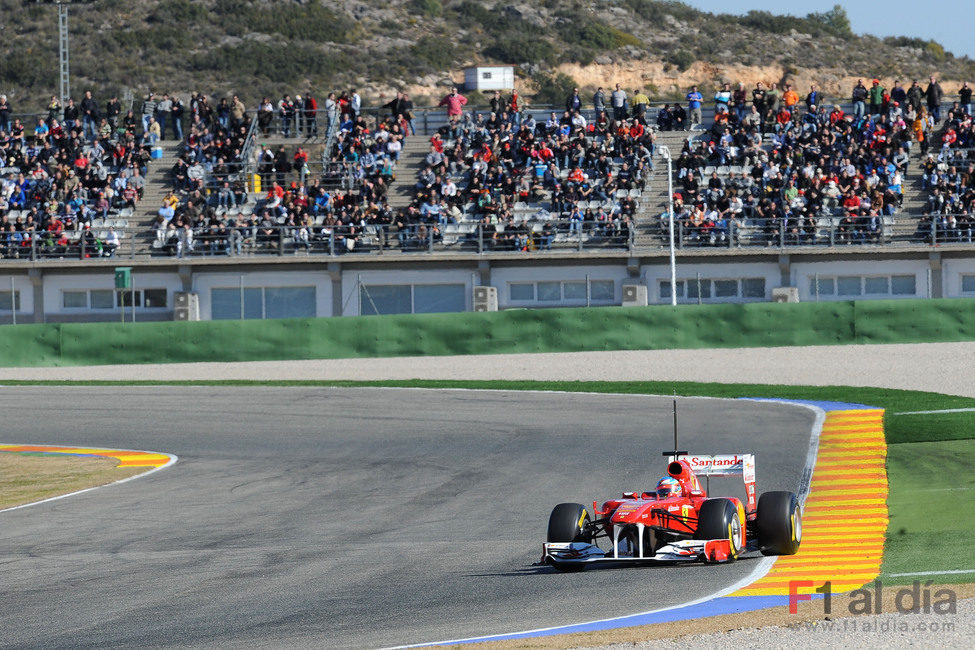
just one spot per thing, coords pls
(677, 522)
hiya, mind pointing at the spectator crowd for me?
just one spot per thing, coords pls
(64, 176)
(203, 212)
(801, 170)
(783, 165)
(525, 181)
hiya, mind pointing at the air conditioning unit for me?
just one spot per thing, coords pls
(186, 305)
(634, 295)
(485, 299)
(785, 294)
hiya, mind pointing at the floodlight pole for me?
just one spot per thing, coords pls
(665, 152)
(63, 42)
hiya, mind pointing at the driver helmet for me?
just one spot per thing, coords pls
(668, 487)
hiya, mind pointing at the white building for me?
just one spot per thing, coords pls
(489, 77)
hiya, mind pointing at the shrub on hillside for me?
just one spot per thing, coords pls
(553, 88)
(517, 49)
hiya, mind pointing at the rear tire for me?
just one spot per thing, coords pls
(719, 519)
(569, 523)
(779, 523)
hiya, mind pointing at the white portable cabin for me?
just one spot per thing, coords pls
(489, 77)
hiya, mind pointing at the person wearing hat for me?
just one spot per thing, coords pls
(876, 97)
(895, 112)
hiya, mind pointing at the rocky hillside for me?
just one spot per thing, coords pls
(271, 47)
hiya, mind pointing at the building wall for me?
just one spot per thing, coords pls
(501, 78)
(656, 275)
(804, 276)
(204, 282)
(56, 284)
(22, 287)
(353, 282)
(356, 285)
(959, 278)
(574, 279)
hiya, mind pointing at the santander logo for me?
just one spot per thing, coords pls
(715, 461)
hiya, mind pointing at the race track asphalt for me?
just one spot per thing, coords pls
(305, 516)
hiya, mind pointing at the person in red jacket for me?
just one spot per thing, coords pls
(311, 116)
(455, 103)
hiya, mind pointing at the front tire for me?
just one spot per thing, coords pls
(569, 522)
(779, 523)
(719, 519)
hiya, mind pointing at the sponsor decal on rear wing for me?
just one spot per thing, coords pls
(742, 465)
(722, 465)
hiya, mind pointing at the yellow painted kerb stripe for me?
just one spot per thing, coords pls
(126, 457)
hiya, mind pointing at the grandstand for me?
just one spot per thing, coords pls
(541, 189)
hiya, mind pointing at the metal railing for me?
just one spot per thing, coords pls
(323, 239)
(74, 245)
(823, 231)
(737, 235)
(428, 119)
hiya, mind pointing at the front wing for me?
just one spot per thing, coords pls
(688, 550)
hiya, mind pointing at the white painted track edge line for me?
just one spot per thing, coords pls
(929, 573)
(763, 566)
(172, 459)
(937, 412)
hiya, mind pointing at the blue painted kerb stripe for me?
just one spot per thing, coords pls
(823, 404)
(716, 607)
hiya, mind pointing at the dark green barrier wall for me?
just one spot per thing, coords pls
(554, 330)
(891, 321)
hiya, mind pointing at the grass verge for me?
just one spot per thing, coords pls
(932, 510)
(29, 478)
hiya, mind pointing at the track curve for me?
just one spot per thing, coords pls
(349, 517)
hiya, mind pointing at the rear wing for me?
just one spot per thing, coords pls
(742, 465)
